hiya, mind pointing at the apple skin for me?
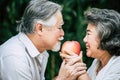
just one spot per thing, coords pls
(71, 45)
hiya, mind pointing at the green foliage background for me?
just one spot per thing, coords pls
(74, 27)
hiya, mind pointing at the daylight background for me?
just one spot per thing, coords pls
(74, 27)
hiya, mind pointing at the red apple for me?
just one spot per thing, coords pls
(71, 45)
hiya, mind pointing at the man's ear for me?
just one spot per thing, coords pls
(38, 28)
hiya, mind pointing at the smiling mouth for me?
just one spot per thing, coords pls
(87, 47)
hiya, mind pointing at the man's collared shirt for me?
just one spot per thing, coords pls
(20, 60)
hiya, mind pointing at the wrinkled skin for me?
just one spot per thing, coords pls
(72, 66)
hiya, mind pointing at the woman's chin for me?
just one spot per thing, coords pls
(88, 54)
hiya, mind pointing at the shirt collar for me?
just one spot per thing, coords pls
(32, 50)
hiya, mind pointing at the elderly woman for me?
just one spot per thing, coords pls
(103, 44)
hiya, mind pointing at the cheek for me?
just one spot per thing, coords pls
(93, 48)
(56, 34)
(91, 52)
(54, 37)
(88, 53)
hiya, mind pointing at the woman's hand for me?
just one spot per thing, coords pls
(71, 70)
(70, 55)
(71, 67)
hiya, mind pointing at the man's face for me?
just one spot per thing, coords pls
(54, 34)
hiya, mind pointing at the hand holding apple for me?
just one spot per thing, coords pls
(71, 51)
(71, 45)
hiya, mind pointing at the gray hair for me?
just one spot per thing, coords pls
(107, 24)
(37, 10)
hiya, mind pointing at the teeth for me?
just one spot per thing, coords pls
(61, 38)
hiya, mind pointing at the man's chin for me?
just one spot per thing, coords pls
(56, 47)
(55, 50)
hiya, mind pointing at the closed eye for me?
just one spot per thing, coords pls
(87, 33)
(60, 28)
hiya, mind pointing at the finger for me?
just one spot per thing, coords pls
(63, 63)
(80, 65)
(79, 68)
(69, 52)
(74, 60)
(78, 73)
(64, 55)
(81, 55)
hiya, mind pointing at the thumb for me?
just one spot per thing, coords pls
(81, 55)
(63, 63)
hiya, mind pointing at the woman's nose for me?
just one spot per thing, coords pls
(84, 39)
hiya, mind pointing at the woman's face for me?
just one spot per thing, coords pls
(92, 41)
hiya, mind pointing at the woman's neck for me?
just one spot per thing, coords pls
(104, 59)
